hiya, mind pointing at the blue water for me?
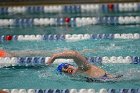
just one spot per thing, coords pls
(88, 48)
(46, 77)
(90, 29)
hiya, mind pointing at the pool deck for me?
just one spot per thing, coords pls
(52, 2)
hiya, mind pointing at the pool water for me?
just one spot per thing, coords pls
(90, 29)
(46, 76)
(87, 48)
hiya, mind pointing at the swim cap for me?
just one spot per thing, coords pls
(3, 53)
(61, 66)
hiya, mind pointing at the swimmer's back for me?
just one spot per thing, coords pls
(107, 79)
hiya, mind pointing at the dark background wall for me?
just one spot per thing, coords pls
(45, 2)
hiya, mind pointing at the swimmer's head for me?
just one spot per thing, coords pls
(3, 53)
(66, 68)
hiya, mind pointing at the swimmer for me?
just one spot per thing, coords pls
(84, 66)
(1, 91)
(22, 53)
(3, 53)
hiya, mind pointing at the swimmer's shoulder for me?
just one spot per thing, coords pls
(84, 67)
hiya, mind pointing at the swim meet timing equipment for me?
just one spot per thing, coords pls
(72, 22)
(36, 61)
(67, 37)
(73, 8)
(103, 90)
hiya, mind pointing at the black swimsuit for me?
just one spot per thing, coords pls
(104, 77)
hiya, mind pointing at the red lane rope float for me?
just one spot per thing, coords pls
(110, 7)
(8, 38)
(67, 19)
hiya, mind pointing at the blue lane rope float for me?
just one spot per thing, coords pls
(73, 8)
(72, 22)
(68, 37)
(27, 61)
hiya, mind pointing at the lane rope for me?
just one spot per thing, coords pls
(72, 22)
(78, 8)
(32, 61)
(68, 37)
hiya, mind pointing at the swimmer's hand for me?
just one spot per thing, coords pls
(50, 60)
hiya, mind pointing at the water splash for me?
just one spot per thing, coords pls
(130, 74)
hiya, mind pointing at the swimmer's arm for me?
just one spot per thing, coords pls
(77, 57)
(109, 75)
